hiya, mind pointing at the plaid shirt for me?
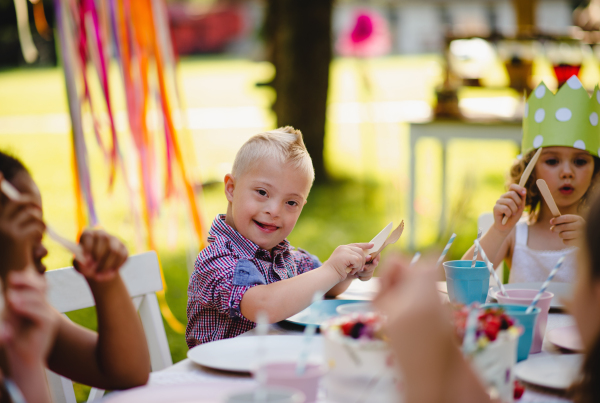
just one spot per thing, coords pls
(224, 271)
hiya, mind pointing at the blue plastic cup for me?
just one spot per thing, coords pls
(465, 284)
(526, 320)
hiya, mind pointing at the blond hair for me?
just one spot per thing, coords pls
(284, 144)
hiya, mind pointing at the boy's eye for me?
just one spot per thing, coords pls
(262, 192)
(292, 203)
(551, 161)
(581, 162)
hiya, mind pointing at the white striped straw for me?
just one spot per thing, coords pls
(309, 332)
(448, 245)
(262, 328)
(476, 249)
(545, 285)
(415, 259)
(490, 267)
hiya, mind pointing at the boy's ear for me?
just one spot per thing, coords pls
(229, 187)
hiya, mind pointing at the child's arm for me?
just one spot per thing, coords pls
(117, 356)
(282, 299)
(496, 241)
(27, 331)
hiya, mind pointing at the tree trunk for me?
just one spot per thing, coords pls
(299, 43)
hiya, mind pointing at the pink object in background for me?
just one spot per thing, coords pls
(369, 36)
(363, 29)
(524, 297)
(284, 374)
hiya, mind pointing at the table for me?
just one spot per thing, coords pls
(187, 372)
(444, 131)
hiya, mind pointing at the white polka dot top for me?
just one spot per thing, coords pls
(529, 265)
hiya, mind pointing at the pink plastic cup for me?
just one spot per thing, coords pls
(524, 297)
(284, 374)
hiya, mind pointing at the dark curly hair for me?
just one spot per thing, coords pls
(10, 166)
(533, 197)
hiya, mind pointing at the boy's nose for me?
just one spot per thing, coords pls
(273, 208)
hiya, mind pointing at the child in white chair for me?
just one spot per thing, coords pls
(115, 357)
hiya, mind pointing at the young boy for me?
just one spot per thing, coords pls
(250, 267)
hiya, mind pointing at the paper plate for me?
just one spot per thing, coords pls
(241, 354)
(200, 392)
(566, 337)
(355, 307)
(320, 311)
(560, 291)
(550, 371)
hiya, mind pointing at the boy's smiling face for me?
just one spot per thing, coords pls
(266, 201)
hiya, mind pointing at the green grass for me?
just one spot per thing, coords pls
(369, 162)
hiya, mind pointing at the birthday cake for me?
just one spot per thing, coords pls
(491, 348)
(361, 368)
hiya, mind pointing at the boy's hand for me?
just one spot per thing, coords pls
(569, 227)
(105, 255)
(347, 260)
(29, 323)
(367, 271)
(511, 204)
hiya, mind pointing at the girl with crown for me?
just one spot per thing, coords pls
(565, 125)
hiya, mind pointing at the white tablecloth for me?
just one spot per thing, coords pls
(186, 372)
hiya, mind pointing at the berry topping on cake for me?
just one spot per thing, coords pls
(490, 322)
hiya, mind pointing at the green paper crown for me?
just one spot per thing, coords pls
(569, 118)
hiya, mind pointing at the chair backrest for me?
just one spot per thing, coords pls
(69, 291)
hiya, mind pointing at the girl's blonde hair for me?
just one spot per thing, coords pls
(284, 145)
(533, 197)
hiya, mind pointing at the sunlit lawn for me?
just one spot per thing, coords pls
(370, 162)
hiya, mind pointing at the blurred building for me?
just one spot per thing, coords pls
(420, 26)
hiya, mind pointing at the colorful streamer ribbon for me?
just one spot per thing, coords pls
(137, 34)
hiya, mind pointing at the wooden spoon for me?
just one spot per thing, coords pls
(543, 186)
(526, 174)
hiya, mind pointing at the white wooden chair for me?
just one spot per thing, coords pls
(484, 222)
(68, 291)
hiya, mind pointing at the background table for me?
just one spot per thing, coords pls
(445, 131)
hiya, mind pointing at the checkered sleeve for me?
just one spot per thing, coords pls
(305, 261)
